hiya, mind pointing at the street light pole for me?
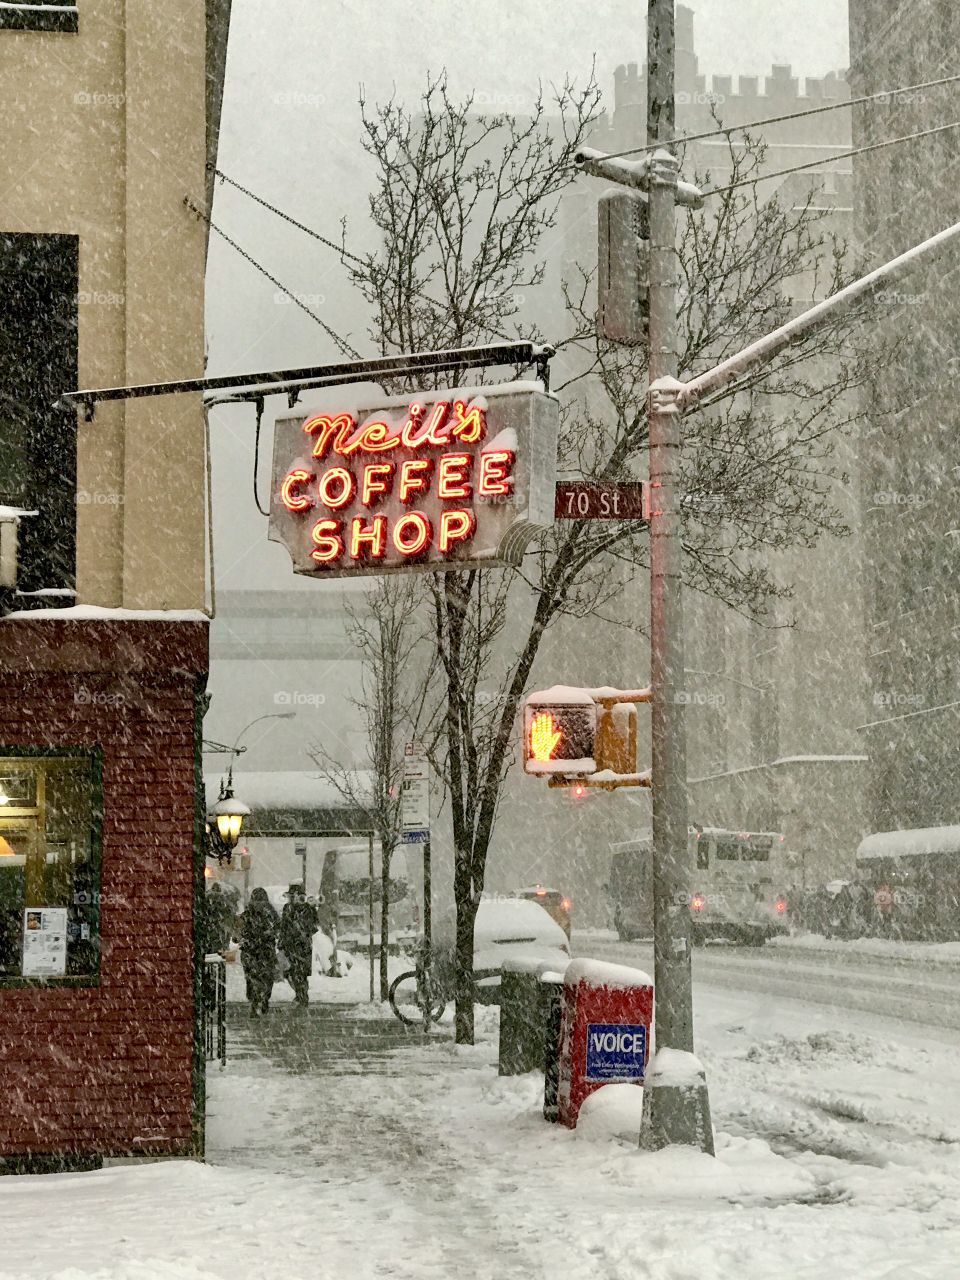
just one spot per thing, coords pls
(676, 1109)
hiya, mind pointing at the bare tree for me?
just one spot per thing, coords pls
(385, 631)
(463, 203)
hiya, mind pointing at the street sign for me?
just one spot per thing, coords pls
(415, 796)
(443, 480)
(593, 500)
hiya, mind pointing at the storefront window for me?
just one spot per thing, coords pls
(49, 866)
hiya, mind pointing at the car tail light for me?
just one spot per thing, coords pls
(780, 906)
(541, 893)
(565, 904)
(697, 902)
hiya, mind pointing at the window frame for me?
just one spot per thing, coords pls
(95, 757)
(56, 16)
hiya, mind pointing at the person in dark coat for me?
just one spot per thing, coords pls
(218, 919)
(298, 924)
(259, 927)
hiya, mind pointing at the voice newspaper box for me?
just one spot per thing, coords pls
(605, 1035)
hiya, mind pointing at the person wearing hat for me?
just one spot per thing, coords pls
(298, 924)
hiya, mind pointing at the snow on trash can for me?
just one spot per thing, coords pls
(606, 1018)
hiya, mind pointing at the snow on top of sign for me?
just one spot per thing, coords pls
(607, 691)
(674, 1069)
(601, 973)
(608, 775)
(369, 402)
(913, 842)
(563, 695)
(97, 613)
(7, 513)
(505, 439)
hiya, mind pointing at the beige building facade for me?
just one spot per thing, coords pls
(105, 136)
(110, 116)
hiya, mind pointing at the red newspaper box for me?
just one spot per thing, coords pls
(606, 1027)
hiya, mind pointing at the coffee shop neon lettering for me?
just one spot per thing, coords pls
(362, 475)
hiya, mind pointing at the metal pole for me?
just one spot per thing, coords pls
(370, 913)
(672, 1114)
(766, 347)
(427, 904)
(427, 924)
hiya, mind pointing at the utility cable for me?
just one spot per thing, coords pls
(344, 253)
(725, 131)
(341, 343)
(841, 155)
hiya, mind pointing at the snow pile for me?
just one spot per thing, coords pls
(943, 954)
(674, 1069)
(612, 1111)
(817, 1046)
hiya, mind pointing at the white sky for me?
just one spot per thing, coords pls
(291, 132)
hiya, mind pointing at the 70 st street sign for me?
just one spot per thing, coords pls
(597, 500)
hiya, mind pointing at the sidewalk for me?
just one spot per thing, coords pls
(326, 1039)
(341, 1145)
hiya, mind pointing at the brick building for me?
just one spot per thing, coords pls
(103, 634)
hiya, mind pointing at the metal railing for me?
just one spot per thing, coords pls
(215, 1009)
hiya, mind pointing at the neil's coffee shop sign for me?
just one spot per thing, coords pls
(444, 480)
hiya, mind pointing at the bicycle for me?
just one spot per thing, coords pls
(419, 996)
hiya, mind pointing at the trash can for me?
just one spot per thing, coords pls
(551, 1005)
(606, 1021)
(521, 1018)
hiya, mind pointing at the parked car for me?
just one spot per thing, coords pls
(514, 929)
(556, 904)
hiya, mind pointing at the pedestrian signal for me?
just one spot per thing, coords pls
(623, 266)
(583, 738)
(560, 729)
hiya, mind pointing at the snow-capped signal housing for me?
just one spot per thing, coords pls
(583, 737)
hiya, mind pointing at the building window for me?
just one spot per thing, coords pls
(38, 362)
(52, 15)
(50, 809)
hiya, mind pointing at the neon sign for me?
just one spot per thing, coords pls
(443, 480)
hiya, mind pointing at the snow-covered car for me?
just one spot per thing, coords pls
(514, 929)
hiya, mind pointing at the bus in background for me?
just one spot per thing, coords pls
(738, 889)
(346, 888)
(907, 886)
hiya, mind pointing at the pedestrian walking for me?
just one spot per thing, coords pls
(259, 927)
(298, 923)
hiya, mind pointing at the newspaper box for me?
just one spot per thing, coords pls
(605, 1035)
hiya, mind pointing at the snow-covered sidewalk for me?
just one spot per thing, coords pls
(838, 1155)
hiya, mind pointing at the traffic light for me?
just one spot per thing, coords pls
(572, 734)
(559, 732)
(622, 267)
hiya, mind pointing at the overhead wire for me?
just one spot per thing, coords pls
(840, 155)
(726, 130)
(341, 343)
(337, 248)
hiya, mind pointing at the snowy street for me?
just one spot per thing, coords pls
(334, 1152)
